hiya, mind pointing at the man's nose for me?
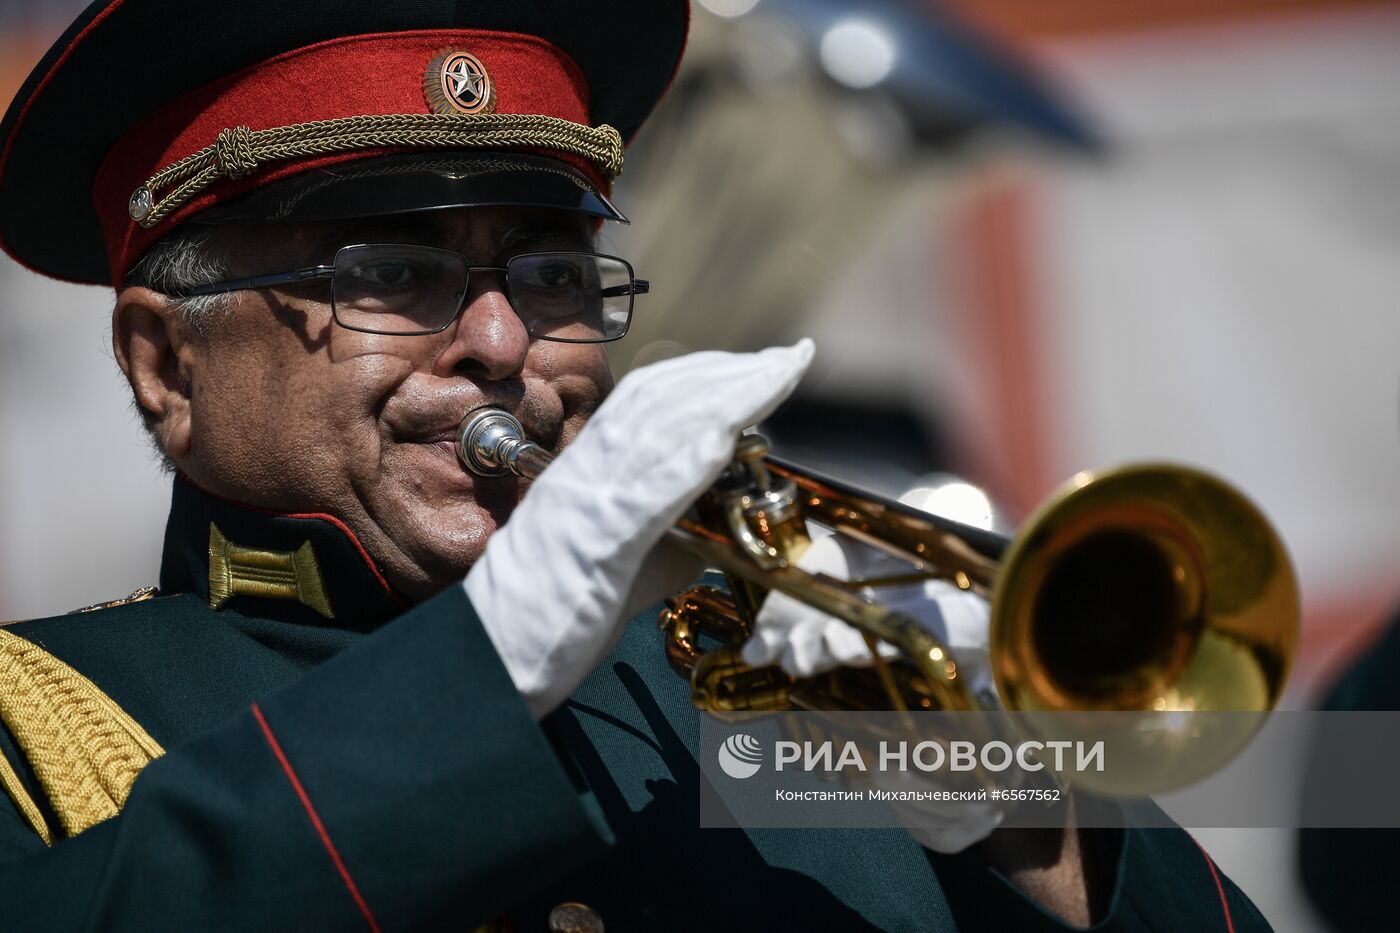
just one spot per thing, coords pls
(489, 341)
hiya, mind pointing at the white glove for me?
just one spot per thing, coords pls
(578, 558)
(806, 641)
(943, 826)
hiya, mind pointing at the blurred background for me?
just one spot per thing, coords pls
(1029, 238)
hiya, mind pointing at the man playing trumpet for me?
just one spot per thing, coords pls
(373, 690)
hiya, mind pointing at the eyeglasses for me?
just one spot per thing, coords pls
(408, 290)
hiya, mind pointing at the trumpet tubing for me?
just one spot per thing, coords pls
(1146, 587)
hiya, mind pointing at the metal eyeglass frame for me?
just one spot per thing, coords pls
(634, 287)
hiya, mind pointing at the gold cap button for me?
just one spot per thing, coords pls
(572, 917)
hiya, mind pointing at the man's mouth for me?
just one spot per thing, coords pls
(441, 444)
(435, 428)
(436, 437)
(425, 426)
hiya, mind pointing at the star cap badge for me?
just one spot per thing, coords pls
(456, 82)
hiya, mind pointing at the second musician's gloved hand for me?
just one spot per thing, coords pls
(806, 641)
(579, 555)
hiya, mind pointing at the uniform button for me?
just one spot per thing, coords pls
(572, 917)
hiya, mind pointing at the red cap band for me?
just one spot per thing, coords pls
(356, 76)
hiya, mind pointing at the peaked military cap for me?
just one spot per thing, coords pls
(150, 113)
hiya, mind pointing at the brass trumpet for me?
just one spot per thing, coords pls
(1144, 588)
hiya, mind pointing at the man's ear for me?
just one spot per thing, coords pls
(158, 350)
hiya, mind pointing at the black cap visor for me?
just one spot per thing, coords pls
(417, 182)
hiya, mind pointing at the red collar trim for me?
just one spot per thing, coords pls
(331, 520)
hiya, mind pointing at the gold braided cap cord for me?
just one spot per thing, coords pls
(84, 748)
(239, 151)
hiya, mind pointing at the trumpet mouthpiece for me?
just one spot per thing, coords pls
(487, 441)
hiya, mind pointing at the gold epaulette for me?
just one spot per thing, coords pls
(139, 595)
(85, 750)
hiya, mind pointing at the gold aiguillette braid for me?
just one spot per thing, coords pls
(239, 151)
(84, 748)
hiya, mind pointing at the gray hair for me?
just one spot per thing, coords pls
(193, 254)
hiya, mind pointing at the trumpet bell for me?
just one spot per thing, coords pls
(1148, 587)
(1153, 589)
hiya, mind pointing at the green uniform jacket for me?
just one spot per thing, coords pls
(378, 771)
(1350, 873)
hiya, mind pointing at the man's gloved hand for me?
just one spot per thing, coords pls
(579, 556)
(806, 641)
(947, 826)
